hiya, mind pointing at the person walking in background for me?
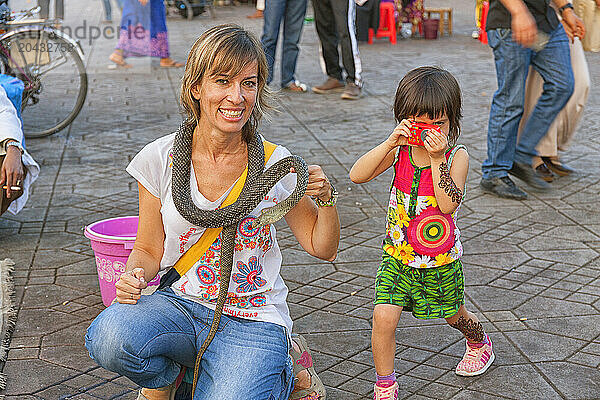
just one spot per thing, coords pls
(334, 20)
(108, 9)
(524, 33)
(260, 8)
(589, 11)
(291, 13)
(143, 33)
(560, 133)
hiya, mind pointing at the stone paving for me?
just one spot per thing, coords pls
(532, 267)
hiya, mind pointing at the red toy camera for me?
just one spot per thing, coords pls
(419, 131)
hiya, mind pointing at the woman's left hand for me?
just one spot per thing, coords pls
(436, 144)
(11, 172)
(318, 184)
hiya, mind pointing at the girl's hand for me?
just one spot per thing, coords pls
(436, 144)
(143, 2)
(318, 184)
(399, 137)
(130, 285)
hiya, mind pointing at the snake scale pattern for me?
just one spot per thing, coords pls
(257, 185)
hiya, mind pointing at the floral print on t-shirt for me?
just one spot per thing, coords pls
(247, 275)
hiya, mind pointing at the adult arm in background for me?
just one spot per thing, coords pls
(570, 18)
(523, 26)
(144, 261)
(317, 229)
(15, 163)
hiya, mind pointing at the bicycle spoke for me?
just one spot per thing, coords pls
(52, 65)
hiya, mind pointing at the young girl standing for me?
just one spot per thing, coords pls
(421, 269)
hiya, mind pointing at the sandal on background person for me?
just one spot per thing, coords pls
(303, 362)
(542, 170)
(557, 167)
(118, 59)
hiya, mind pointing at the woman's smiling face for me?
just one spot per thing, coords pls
(226, 102)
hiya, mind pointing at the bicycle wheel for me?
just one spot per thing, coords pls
(50, 64)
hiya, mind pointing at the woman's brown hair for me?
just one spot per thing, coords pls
(432, 91)
(225, 49)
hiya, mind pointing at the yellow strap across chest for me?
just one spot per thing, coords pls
(194, 253)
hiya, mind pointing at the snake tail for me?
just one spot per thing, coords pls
(227, 249)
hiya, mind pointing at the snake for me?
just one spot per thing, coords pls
(258, 183)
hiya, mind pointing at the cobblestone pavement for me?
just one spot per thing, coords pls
(532, 267)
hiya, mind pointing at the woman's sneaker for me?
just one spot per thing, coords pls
(477, 358)
(386, 390)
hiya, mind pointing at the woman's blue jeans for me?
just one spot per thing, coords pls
(512, 65)
(149, 342)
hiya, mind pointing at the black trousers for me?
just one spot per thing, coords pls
(367, 16)
(59, 8)
(335, 23)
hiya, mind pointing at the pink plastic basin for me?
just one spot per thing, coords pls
(112, 241)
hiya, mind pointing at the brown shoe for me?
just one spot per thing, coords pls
(351, 92)
(296, 86)
(329, 86)
(543, 172)
(557, 167)
(257, 15)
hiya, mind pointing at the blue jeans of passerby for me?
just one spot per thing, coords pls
(292, 13)
(108, 8)
(149, 341)
(512, 65)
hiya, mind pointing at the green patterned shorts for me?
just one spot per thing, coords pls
(426, 292)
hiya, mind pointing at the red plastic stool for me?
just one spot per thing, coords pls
(387, 23)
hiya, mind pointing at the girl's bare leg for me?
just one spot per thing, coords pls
(468, 324)
(383, 337)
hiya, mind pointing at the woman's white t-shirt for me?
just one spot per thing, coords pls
(256, 289)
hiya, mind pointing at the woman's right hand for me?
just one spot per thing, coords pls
(399, 137)
(143, 2)
(130, 285)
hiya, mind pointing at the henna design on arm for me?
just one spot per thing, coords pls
(448, 184)
(472, 330)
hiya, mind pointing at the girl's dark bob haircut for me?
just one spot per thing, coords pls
(432, 91)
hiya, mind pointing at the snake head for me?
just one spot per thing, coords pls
(267, 216)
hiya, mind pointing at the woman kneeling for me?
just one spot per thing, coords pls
(148, 338)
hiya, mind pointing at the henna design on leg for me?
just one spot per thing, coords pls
(472, 330)
(448, 184)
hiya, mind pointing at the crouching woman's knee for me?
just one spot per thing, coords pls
(109, 341)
